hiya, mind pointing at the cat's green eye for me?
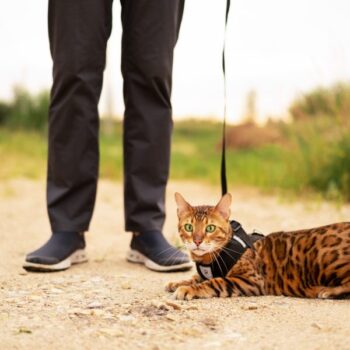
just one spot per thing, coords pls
(188, 227)
(210, 228)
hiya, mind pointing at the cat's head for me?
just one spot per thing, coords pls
(205, 229)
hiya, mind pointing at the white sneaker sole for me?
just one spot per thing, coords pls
(136, 257)
(78, 257)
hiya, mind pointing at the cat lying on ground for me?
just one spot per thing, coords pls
(312, 263)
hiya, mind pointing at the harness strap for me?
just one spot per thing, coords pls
(229, 254)
(223, 154)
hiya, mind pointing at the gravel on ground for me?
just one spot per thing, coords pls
(108, 303)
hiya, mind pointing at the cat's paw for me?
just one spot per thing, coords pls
(184, 293)
(171, 287)
(325, 293)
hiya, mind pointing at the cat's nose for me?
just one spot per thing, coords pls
(197, 241)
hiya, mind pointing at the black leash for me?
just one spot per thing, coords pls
(223, 154)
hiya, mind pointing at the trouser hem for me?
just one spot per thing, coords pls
(135, 228)
(69, 228)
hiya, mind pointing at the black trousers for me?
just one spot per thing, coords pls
(78, 33)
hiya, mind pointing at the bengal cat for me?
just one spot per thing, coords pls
(311, 263)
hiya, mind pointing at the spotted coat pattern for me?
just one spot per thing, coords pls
(311, 263)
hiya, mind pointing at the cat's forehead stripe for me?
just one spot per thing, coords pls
(201, 212)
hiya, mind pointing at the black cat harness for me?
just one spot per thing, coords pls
(230, 254)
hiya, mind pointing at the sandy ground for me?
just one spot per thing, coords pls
(108, 303)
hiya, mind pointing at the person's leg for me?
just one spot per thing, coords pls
(150, 32)
(78, 33)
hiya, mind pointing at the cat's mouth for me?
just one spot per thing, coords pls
(199, 251)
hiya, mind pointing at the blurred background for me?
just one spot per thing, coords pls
(288, 93)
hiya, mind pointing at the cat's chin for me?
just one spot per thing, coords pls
(201, 256)
(199, 252)
(204, 256)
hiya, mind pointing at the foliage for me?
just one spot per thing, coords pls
(309, 154)
(25, 111)
(333, 101)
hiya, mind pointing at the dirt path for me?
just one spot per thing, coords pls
(110, 304)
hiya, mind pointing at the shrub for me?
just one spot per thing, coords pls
(25, 111)
(333, 179)
(4, 112)
(250, 136)
(333, 102)
(320, 156)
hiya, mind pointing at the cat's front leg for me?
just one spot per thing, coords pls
(218, 287)
(172, 286)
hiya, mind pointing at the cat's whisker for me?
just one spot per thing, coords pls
(218, 262)
(230, 250)
(222, 261)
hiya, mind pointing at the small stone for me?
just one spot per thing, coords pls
(159, 305)
(191, 307)
(98, 312)
(77, 311)
(175, 306)
(210, 323)
(125, 285)
(96, 279)
(126, 318)
(170, 317)
(249, 307)
(61, 309)
(24, 330)
(233, 335)
(73, 311)
(56, 291)
(192, 332)
(113, 332)
(316, 325)
(94, 305)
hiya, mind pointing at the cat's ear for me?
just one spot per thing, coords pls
(182, 205)
(223, 207)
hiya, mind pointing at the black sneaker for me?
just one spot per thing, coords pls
(61, 251)
(153, 250)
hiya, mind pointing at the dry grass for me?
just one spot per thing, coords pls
(250, 135)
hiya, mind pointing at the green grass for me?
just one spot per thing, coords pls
(314, 159)
(22, 154)
(196, 155)
(312, 155)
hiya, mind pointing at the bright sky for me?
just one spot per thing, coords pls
(277, 48)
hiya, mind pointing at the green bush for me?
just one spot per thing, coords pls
(25, 111)
(320, 156)
(333, 179)
(333, 101)
(5, 110)
(312, 153)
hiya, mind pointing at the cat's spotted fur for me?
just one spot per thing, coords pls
(312, 263)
